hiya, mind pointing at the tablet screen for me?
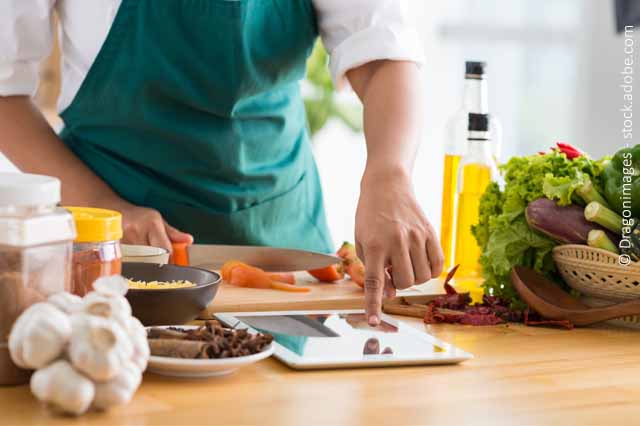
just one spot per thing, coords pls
(344, 336)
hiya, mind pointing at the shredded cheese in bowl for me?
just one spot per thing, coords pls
(159, 285)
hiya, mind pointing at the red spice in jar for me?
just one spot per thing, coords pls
(96, 251)
(89, 264)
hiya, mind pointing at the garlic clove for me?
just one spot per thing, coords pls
(99, 347)
(61, 386)
(138, 335)
(39, 336)
(120, 389)
(112, 286)
(66, 302)
(115, 307)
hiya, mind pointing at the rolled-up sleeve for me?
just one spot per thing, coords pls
(26, 38)
(356, 32)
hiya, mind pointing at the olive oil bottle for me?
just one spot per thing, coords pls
(475, 100)
(477, 169)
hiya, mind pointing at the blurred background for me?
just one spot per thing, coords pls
(553, 69)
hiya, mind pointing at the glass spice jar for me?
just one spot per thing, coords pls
(36, 240)
(96, 250)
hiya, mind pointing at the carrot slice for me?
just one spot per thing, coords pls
(329, 274)
(179, 254)
(225, 271)
(283, 277)
(288, 287)
(243, 275)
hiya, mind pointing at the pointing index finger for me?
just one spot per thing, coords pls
(373, 285)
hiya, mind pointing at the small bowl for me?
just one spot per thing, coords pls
(203, 368)
(174, 305)
(144, 254)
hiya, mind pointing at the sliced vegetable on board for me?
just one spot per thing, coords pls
(350, 265)
(243, 275)
(347, 251)
(353, 266)
(355, 269)
(283, 277)
(328, 274)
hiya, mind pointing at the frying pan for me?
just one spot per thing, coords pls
(171, 306)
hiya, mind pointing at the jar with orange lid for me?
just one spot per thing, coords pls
(96, 250)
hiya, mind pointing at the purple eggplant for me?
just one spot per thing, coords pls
(565, 225)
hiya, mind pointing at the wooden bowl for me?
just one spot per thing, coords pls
(171, 306)
(629, 322)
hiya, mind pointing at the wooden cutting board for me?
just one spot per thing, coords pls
(341, 295)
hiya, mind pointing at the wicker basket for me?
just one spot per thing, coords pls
(597, 273)
(599, 277)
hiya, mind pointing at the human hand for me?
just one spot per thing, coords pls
(145, 226)
(392, 232)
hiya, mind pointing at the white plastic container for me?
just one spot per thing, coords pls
(36, 241)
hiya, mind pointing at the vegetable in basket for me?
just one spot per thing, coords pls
(621, 180)
(564, 224)
(627, 231)
(596, 212)
(599, 239)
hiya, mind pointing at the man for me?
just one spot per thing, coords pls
(186, 116)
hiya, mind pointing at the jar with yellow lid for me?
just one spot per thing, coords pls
(96, 250)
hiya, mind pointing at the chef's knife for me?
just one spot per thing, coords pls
(270, 259)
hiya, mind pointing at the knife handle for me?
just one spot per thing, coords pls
(179, 254)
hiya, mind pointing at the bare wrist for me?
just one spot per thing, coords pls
(387, 174)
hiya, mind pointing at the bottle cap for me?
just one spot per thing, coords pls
(478, 122)
(23, 190)
(475, 69)
(96, 225)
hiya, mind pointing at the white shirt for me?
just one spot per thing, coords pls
(353, 31)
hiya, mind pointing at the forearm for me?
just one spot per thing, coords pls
(29, 142)
(391, 93)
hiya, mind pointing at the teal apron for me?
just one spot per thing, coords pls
(193, 107)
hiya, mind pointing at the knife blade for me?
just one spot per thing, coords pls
(271, 259)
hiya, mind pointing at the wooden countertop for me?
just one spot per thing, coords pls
(521, 375)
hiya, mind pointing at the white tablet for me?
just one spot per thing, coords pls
(343, 339)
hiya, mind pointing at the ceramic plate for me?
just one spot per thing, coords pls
(202, 368)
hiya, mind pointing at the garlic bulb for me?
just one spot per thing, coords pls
(87, 351)
(63, 387)
(99, 347)
(39, 336)
(120, 389)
